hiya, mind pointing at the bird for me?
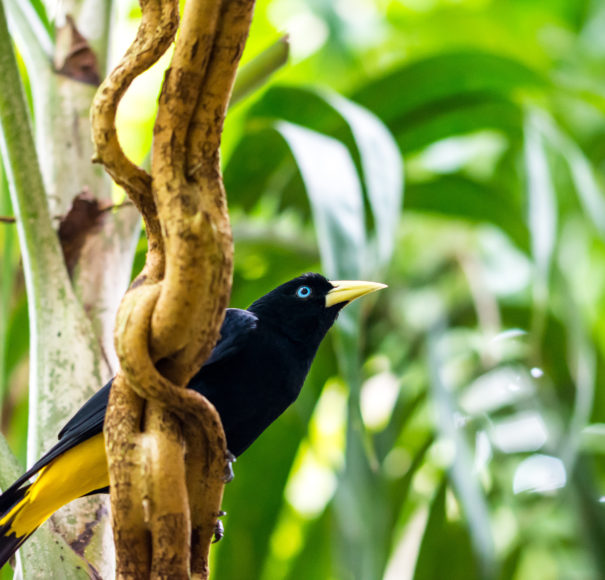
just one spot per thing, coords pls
(255, 371)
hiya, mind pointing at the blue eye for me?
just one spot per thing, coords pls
(303, 292)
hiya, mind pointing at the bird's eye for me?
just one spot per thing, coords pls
(303, 292)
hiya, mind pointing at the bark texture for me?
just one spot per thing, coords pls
(165, 444)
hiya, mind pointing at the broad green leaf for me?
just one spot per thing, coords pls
(260, 167)
(445, 551)
(334, 191)
(308, 107)
(443, 77)
(371, 146)
(369, 141)
(382, 167)
(466, 114)
(459, 197)
(467, 487)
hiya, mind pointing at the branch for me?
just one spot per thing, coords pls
(154, 35)
(8, 219)
(165, 443)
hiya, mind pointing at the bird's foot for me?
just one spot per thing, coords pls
(229, 475)
(219, 528)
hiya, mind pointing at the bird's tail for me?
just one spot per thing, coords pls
(24, 507)
(12, 504)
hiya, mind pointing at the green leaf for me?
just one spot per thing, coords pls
(541, 218)
(372, 150)
(334, 191)
(8, 261)
(30, 27)
(462, 198)
(441, 78)
(593, 438)
(588, 189)
(542, 208)
(382, 167)
(445, 551)
(315, 559)
(260, 167)
(17, 334)
(467, 487)
(466, 114)
(583, 367)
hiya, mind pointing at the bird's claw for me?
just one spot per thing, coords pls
(229, 475)
(219, 528)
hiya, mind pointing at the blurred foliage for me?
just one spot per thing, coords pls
(454, 426)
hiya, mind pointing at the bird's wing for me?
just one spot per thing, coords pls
(88, 421)
(89, 418)
(235, 331)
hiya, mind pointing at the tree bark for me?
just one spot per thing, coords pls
(166, 446)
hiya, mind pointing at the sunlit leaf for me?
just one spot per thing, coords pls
(590, 193)
(334, 191)
(468, 490)
(382, 170)
(380, 162)
(255, 73)
(542, 213)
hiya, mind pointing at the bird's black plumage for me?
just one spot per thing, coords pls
(254, 373)
(256, 369)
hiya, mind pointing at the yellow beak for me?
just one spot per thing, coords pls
(348, 290)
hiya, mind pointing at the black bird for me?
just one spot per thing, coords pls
(254, 373)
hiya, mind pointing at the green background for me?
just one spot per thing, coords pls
(452, 426)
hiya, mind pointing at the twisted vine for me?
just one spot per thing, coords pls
(156, 31)
(165, 444)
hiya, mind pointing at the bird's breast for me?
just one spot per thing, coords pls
(252, 390)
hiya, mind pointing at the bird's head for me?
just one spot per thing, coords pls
(306, 307)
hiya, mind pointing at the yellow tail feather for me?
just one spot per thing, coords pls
(77, 472)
